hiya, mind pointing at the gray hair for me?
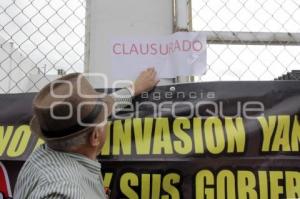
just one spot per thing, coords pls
(65, 145)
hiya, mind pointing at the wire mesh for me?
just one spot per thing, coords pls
(38, 40)
(41, 38)
(266, 60)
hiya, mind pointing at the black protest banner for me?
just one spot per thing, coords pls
(204, 140)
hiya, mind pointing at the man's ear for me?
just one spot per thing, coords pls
(95, 137)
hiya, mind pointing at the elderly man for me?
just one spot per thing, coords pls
(70, 116)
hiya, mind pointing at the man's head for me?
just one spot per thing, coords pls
(69, 114)
(88, 144)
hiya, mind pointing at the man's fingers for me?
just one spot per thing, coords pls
(153, 70)
(154, 74)
(157, 81)
(150, 69)
(147, 71)
(151, 74)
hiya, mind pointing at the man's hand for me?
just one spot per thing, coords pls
(145, 81)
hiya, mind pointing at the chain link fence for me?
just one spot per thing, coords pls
(249, 40)
(38, 39)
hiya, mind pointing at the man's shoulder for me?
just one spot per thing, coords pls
(52, 164)
(50, 189)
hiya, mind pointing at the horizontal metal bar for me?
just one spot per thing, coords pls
(252, 38)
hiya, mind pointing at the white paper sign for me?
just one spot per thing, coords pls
(180, 54)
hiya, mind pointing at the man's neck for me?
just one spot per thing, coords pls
(85, 151)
